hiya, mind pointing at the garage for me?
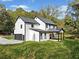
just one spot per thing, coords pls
(19, 37)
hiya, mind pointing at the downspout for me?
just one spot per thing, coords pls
(25, 33)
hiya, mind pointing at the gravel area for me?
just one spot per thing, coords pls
(4, 41)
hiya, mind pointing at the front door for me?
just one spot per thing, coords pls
(51, 36)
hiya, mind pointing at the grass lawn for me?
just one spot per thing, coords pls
(67, 49)
(8, 36)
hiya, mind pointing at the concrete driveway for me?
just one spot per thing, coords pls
(4, 41)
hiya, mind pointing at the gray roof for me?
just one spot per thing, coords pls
(47, 21)
(45, 31)
(28, 20)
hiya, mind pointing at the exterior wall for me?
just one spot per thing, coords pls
(47, 36)
(28, 26)
(36, 26)
(51, 27)
(30, 33)
(55, 27)
(34, 36)
(18, 29)
(55, 35)
(43, 37)
(42, 24)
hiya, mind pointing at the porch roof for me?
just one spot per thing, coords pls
(46, 31)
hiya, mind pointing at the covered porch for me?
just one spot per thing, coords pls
(57, 36)
(45, 35)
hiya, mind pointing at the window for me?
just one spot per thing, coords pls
(32, 25)
(45, 35)
(50, 27)
(21, 26)
(40, 35)
(46, 26)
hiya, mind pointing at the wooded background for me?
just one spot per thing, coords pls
(70, 23)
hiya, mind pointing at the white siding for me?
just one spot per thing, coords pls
(36, 26)
(18, 29)
(50, 27)
(43, 37)
(31, 35)
(55, 27)
(47, 36)
(28, 26)
(34, 36)
(42, 24)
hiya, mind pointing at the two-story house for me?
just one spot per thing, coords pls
(38, 29)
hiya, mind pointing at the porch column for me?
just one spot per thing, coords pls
(43, 36)
(62, 36)
(58, 36)
(47, 36)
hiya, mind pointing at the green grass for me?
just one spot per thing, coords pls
(67, 49)
(8, 36)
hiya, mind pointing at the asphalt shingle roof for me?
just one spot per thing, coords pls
(46, 31)
(28, 20)
(47, 21)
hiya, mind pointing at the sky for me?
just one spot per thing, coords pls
(33, 4)
(36, 5)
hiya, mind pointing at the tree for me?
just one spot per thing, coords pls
(72, 17)
(6, 24)
(75, 14)
(69, 24)
(50, 11)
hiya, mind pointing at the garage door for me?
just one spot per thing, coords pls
(19, 37)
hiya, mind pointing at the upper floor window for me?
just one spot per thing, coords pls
(32, 25)
(21, 26)
(40, 35)
(46, 26)
(51, 26)
(45, 35)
